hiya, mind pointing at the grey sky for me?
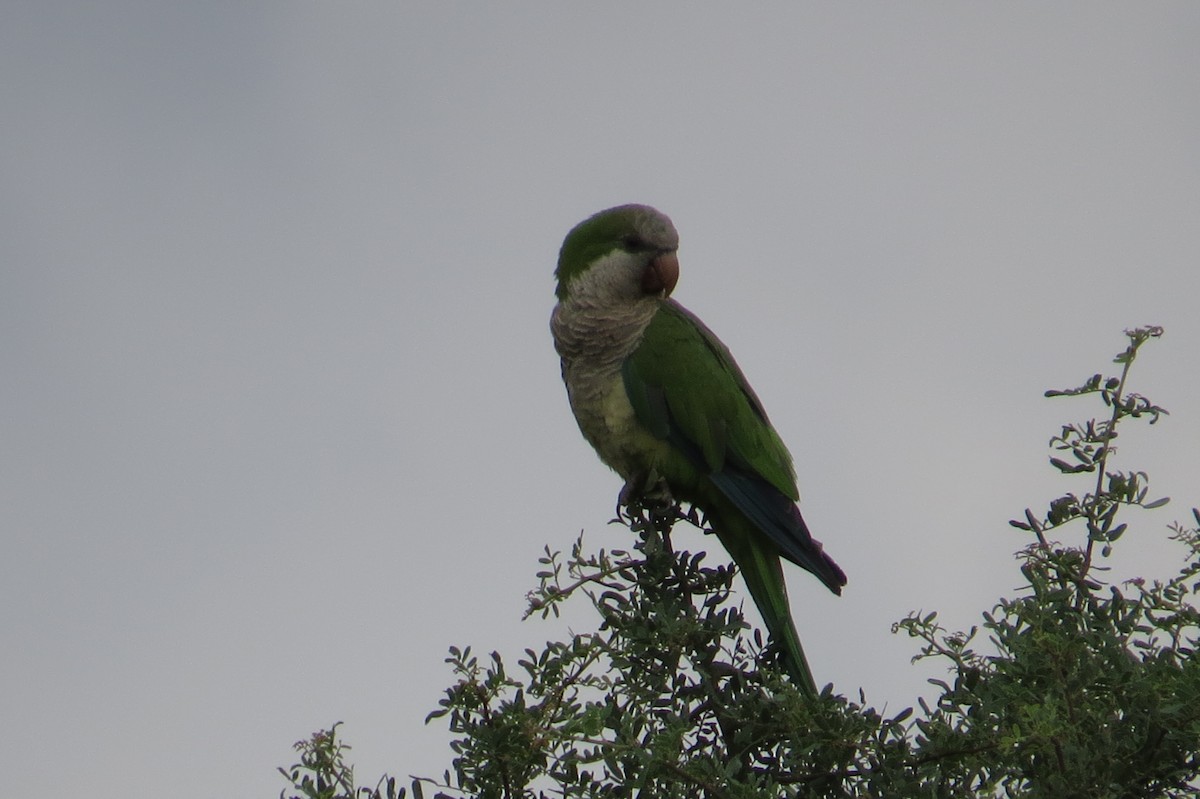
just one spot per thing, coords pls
(281, 419)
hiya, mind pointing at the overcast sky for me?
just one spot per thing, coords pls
(280, 417)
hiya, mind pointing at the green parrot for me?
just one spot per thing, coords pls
(663, 403)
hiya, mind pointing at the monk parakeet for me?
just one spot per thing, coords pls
(663, 403)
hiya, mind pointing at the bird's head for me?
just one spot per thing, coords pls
(623, 254)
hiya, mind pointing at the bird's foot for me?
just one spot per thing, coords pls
(659, 500)
(647, 498)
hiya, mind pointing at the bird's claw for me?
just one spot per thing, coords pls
(650, 496)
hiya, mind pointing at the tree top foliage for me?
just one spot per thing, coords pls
(1073, 687)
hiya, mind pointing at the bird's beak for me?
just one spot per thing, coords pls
(661, 274)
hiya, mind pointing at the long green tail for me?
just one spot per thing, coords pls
(763, 572)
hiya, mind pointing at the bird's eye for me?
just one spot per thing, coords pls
(634, 243)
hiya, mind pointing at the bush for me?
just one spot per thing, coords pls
(1073, 688)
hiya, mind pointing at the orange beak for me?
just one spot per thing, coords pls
(661, 274)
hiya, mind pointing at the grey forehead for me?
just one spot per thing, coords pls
(656, 228)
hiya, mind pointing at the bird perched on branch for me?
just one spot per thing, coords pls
(663, 403)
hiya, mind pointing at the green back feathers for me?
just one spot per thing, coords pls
(684, 385)
(686, 389)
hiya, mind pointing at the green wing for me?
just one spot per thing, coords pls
(686, 389)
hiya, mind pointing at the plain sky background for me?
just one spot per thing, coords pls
(280, 417)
